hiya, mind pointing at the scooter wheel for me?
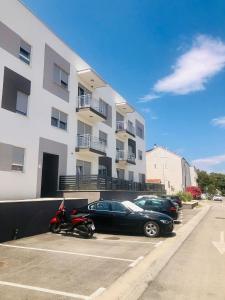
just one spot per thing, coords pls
(85, 231)
(54, 228)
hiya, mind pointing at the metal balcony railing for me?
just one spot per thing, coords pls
(87, 101)
(125, 126)
(121, 155)
(87, 141)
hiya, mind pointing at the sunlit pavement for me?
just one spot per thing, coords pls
(197, 270)
(51, 266)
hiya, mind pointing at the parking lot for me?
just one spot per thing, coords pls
(51, 266)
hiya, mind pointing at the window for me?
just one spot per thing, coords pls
(103, 107)
(59, 119)
(131, 176)
(118, 207)
(139, 129)
(141, 178)
(21, 103)
(140, 157)
(17, 159)
(60, 77)
(102, 205)
(103, 137)
(155, 166)
(24, 53)
(120, 173)
(83, 167)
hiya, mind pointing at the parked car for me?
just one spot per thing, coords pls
(144, 196)
(126, 216)
(175, 199)
(217, 198)
(165, 206)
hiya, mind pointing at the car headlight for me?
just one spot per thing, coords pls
(165, 221)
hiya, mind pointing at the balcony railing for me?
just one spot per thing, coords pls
(87, 141)
(125, 126)
(97, 182)
(121, 155)
(87, 101)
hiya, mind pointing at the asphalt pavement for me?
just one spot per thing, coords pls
(197, 270)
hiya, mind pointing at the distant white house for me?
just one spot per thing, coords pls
(172, 170)
(194, 176)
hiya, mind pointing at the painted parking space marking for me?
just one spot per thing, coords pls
(97, 293)
(44, 290)
(133, 264)
(125, 241)
(68, 252)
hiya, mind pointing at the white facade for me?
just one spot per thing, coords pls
(33, 132)
(168, 168)
(194, 176)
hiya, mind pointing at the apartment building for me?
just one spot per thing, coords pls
(194, 176)
(57, 115)
(166, 167)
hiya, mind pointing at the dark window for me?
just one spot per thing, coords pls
(131, 176)
(24, 53)
(103, 137)
(16, 90)
(103, 206)
(61, 77)
(140, 157)
(118, 207)
(139, 129)
(59, 119)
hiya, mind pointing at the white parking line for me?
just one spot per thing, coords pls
(67, 252)
(124, 241)
(39, 289)
(97, 293)
(158, 244)
(133, 264)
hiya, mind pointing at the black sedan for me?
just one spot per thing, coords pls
(164, 206)
(125, 216)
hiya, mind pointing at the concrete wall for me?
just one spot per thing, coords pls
(25, 218)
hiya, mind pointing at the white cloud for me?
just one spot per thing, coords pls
(208, 163)
(148, 98)
(193, 69)
(220, 122)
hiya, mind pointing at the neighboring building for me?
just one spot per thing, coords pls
(194, 176)
(166, 167)
(57, 115)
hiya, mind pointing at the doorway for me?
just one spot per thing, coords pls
(49, 180)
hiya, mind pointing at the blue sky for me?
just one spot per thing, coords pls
(166, 57)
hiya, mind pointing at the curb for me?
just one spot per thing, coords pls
(132, 284)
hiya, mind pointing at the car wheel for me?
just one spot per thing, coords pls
(151, 229)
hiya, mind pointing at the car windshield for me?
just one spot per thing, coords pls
(132, 206)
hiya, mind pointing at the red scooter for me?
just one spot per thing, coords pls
(71, 223)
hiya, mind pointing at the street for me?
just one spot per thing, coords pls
(197, 270)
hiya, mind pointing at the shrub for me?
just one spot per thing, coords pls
(185, 196)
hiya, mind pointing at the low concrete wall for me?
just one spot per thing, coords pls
(190, 204)
(23, 218)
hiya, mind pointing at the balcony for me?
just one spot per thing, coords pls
(90, 145)
(90, 108)
(124, 107)
(124, 129)
(123, 158)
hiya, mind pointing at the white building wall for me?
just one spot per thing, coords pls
(194, 176)
(166, 166)
(25, 131)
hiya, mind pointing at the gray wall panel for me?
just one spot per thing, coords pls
(52, 58)
(51, 147)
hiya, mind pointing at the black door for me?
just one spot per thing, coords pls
(49, 181)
